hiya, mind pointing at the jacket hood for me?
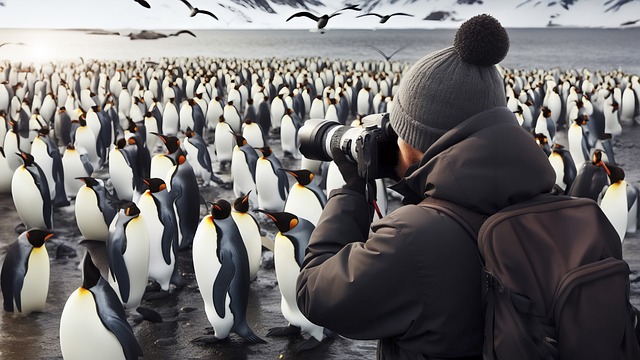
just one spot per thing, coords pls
(486, 163)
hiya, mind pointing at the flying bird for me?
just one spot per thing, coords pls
(324, 19)
(143, 3)
(387, 57)
(11, 43)
(384, 18)
(195, 11)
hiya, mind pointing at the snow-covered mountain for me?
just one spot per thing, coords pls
(273, 14)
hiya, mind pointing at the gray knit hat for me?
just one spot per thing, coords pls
(446, 87)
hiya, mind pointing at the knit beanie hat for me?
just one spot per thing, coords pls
(448, 86)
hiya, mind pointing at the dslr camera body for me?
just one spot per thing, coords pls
(372, 146)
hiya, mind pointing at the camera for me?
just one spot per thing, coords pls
(372, 146)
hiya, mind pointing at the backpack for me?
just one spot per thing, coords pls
(555, 285)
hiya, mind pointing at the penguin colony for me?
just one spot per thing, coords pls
(134, 146)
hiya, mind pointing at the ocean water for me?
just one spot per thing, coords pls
(565, 48)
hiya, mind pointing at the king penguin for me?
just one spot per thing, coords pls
(25, 273)
(31, 195)
(224, 142)
(243, 168)
(156, 207)
(76, 165)
(183, 188)
(93, 322)
(290, 244)
(250, 232)
(593, 178)
(221, 267)
(564, 167)
(45, 151)
(128, 251)
(95, 208)
(614, 201)
(199, 157)
(272, 185)
(305, 199)
(161, 164)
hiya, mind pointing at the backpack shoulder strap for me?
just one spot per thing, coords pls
(470, 220)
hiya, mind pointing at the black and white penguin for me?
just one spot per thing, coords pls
(252, 132)
(564, 167)
(221, 267)
(161, 164)
(243, 168)
(250, 231)
(272, 184)
(305, 199)
(199, 158)
(614, 203)
(76, 165)
(31, 196)
(156, 207)
(95, 208)
(123, 171)
(46, 154)
(183, 188)
(224, 143)
(290, 244)
(25, 273)
(232, 117)
(128, 251)
(289, 126)
(93, 321)
(591, 179)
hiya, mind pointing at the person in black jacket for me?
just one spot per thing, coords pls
(413, 279)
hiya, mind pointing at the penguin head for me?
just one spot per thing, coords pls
(265, 150)
(189, 133)
(90, 273)
(129, 208)
(302, 176)
(43, 131)
(240, 140)
(546, 112)
(171, 142)
(616, 174)
(37, 237)
(155, 184)
(27, 159)
(89, 181)
(284, 221)
(241, 204)
(221, 209)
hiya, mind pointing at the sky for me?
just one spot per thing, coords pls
(173, 14)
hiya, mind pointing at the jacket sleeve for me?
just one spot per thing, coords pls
(357, 287)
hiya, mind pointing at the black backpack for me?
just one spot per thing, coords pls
(555, 285)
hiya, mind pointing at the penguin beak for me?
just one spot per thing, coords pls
(268, 214)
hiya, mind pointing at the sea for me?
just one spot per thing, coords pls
(545, 48)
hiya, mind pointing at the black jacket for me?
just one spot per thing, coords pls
(414, 282)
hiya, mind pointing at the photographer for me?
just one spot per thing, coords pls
(414, 282)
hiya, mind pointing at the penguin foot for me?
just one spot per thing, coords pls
(308, 344)
(178, 280)
(20, 228)
(61, 203)
(149, 314)
(207, 339)
(288, 330)
(253, 338)
(155, 295)
(328, 333)
(226, 185)
(216, 179)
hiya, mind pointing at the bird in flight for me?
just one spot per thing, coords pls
(195, 11)
(11, 43)
(143, 3)
(324, 19)
(388, 57)
(384, 18)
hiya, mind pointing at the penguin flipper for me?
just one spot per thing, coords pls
(113, 317)
(223, 282)
(169, 235)
(14, 269)
(118, 268)
(283, 184)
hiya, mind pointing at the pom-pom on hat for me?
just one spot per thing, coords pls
(448, 86)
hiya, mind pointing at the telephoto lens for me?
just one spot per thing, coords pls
(373, 146)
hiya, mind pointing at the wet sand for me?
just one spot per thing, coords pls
(36, 336)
